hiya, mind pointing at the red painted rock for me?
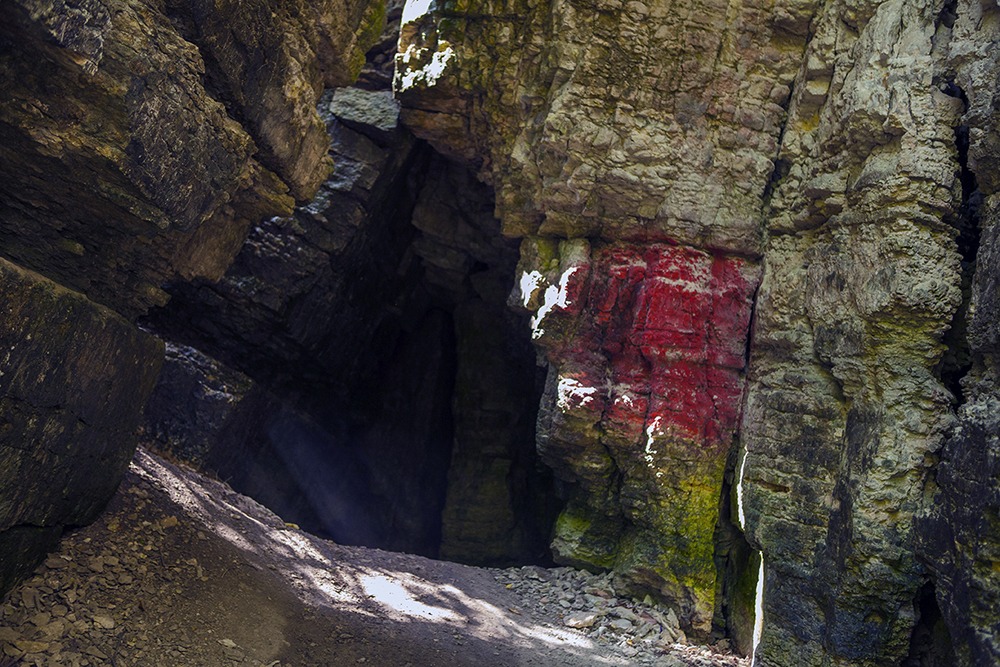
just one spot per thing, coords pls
(646, 346)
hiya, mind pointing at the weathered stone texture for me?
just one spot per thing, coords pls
(290, 310)
(603, 124)
(607, 124)
(637, 120)
(73, 379)
(139, 141)
(960, 534)
(646, 349)
(132, 156)
(845, 412)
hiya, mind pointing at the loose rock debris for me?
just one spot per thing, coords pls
(181, 570)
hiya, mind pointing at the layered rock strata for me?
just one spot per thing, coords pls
(646, 351)
(846, 410)
(960, 533)
(74, 377)
(377, 314)
(139, 141)
(605, 124)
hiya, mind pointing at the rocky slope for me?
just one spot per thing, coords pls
(183, 571)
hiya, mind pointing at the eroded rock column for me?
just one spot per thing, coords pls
(646, 350)
(846, 410)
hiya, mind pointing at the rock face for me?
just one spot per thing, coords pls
(75, 376)
(133, 108)
(646, 347)
(403, 389)
(960, 533)
(852, 134)
(601, 127)
(138, 144)
(754, 245)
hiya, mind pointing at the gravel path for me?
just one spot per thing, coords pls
(181, 570)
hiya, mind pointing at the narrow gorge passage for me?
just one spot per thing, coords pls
(372, 387)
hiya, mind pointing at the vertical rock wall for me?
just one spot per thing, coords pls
(959, 535)
(851, 135)
(846, 410)
(646, 347)
(603, 127)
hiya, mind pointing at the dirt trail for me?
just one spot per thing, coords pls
(181, 570)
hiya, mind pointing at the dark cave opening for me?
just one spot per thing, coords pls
(930, 642)
(358, 370)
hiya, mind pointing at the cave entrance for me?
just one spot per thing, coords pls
(358, 371)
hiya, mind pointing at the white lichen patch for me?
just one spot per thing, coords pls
(427, 74)
(529, 284)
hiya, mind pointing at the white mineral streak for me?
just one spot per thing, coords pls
(739, 492)
(571, 393)
(758, 613)
(554, 297)
(427, 75)
(530, 282)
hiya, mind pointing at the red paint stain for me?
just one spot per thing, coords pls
(661, 331)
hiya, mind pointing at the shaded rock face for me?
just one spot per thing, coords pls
(75, 377)
(156, 153)
(959, 536)
(138, 143)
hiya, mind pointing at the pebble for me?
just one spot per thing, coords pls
(645, 632)
(622, 624)
(580, 619)
(105, 622)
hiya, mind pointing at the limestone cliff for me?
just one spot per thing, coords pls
(613, 132)
(686, 291)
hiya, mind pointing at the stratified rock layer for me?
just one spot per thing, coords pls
(623, 120)
(74, 379)
(140, 142)
(605, 124)
(960, 534)
(845, 409)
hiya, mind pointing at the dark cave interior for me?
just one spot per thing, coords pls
(358, 370)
